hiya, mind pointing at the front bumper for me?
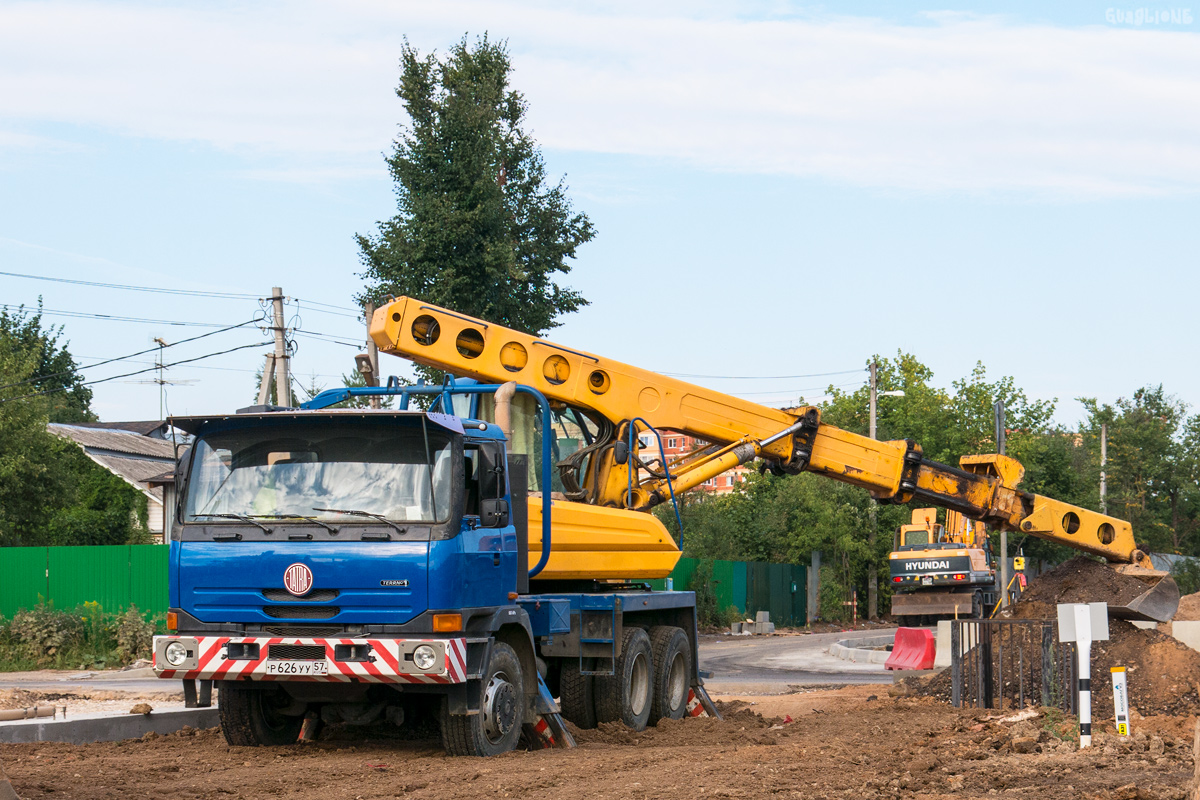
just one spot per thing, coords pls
(346, 660)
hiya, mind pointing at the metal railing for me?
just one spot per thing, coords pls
(1011, 664)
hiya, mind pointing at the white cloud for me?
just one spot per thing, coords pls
(959, 103)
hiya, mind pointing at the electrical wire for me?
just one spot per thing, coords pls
(159, 290)
(138, 372)
(809, 389)
(114, 318)
(762, 377)
(131, 355)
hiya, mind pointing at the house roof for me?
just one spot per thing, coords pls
(142, 427)
(115, 441)
(132, 456)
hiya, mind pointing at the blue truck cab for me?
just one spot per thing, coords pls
(362, 566)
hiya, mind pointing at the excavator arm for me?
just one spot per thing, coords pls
(634, 399)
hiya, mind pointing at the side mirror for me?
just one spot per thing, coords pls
(493, 513)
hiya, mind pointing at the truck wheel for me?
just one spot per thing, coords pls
(626, 695)
(250, 715)
(977, 606)
(672, 672)
(497, 727)
(577, 695)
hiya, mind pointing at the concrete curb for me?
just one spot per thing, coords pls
(860, 652)
(114, 728)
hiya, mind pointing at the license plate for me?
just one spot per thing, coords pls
(927, 581)
(297, 667)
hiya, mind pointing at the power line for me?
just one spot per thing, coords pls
(131, 355)
(159, 290)
(796, 391)
(116, 318)
(762, 377)
(138, 372)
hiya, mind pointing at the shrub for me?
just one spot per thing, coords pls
(135, 636)
(43, 633)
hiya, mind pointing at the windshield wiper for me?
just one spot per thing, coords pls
(241, 517)
(356, 513)
(325, 525)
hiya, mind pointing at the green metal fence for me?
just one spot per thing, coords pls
(751, 586)
(123, 575)
(116, 577)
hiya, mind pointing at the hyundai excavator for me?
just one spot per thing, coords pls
(612, 472)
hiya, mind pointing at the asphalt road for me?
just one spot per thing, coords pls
(739, 664)
(770, 664)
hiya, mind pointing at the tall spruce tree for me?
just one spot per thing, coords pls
(478, 229)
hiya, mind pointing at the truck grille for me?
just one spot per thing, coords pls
(305, 631)
(315, 596)
(296, 652)
(302, 612)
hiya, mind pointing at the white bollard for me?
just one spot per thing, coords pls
(1083, 623)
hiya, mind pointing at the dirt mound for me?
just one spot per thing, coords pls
(1189, 607)
(740, 727)
(1080, 580)
(1164, 674)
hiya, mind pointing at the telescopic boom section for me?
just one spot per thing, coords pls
(739, 430)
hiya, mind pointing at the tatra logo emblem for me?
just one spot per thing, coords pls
(298, 579)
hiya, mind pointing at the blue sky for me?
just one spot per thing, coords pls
(778, 188)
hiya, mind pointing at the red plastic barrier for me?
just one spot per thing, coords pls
(914, 649)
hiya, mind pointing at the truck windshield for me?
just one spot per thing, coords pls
(320, 471)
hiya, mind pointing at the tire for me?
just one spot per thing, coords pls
(250, 715)
(672, 655)
(496, 728)
(577, 695)
(627, 694)
(977, 606)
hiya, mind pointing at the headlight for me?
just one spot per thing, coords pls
(424, 656)
(175, 653)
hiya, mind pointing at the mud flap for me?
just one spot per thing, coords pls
(549, 730)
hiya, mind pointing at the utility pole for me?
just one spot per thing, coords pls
(283, 383)
(1103, 464)
(372, 353)
(162, 382)
(873, 535)
(1000, 447)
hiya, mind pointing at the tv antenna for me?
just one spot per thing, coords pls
(161, 379)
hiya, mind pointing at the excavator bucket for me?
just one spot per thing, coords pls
(1158, 603)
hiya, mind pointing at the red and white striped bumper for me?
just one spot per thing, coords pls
(389, 661)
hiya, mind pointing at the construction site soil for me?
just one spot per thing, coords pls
(847, 743)
(1164, 674)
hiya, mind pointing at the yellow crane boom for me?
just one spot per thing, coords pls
(982, 487)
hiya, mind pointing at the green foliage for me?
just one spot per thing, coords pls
(52, 369)
(134, 635)
(28, 480)
(478, 227)
(1186, 573)
(97, 507)
(1153, 477)
(85, 638)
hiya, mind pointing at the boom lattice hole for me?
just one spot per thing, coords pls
(426, 330)
(1106, 533)
(513, 357)
(469, 343)
(556, 370)
(1070, 522)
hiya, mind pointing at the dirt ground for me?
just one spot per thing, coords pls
(853, 742)
(79, 701)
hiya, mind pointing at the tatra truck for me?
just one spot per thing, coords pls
(479, 555)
